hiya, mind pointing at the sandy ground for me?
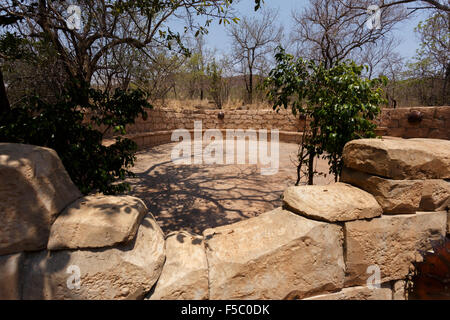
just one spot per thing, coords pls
(197, 197)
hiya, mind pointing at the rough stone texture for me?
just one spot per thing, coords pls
(394, 196)
(34, 188)
(274, 256)
(10, 276)
(391, 122)
(448, 223)
(400, 158)
(185, 272)
(390, 242)
(435, 124)
(435, 195)
(356, 293)
(398, 290)
(337, 202)
(97, 221)
(127, 271)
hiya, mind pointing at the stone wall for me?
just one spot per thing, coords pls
(435, 123)
(326, 242)
(157, 129)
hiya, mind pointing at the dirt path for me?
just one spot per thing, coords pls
(196, 197)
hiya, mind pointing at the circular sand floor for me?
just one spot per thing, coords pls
(197, 197)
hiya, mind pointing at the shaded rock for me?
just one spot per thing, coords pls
(10, 276)
(34, 188)
(394, 196)
(97, 221)
(448, 222)
(185, 272)
(357, 293)
(337, 202)
(389, 242)
(400, 158)
(435, 195)
(273, 256)
(127, 271)
(398, 290)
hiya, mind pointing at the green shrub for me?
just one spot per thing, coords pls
(68, 128)
(338, 102)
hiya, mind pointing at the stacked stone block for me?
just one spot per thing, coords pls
(51, 236)
(410, 180)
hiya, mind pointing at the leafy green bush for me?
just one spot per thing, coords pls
(68, 128)
(338, 102)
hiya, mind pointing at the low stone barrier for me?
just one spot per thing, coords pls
(430, 122)
(153, 139)
(356, 239)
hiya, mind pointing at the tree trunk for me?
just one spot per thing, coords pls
(250, 86)
(4, 102)
(311, 168)
(444, 88)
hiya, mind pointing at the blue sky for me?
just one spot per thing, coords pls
(218, 38)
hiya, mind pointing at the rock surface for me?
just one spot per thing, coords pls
(389, 242)
(97, 221)
(34, 188)
(394, 196)
(10, 276)
(356, 293)
(185, 272)
(337, 202)
(435, 195)
(448, 223)
(400, 158)
(127, 271)
(398, 290)
(273, 256)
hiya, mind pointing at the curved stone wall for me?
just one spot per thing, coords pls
(157, 129)
(356, 239)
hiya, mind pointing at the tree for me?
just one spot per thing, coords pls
(215, 83)
(112, 32)
(253, 39)
(434, 50)
(106, 26)
(338, 103)
(441, 5)
(329, 31)
(195, 67)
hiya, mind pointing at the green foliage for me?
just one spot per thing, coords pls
(430, 69)
(338, 102)
(12, 46)
(215, 83)
(67, 128)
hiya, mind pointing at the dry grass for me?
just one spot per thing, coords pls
(197, 104)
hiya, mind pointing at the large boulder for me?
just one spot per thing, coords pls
(127, 271)
(336, 202)
(400, 158)
(391, 243)
(273, 256)
(97, 221)
(185, 272)
(357, 293)
(34, 188)
(394, 196)
(10, 270)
